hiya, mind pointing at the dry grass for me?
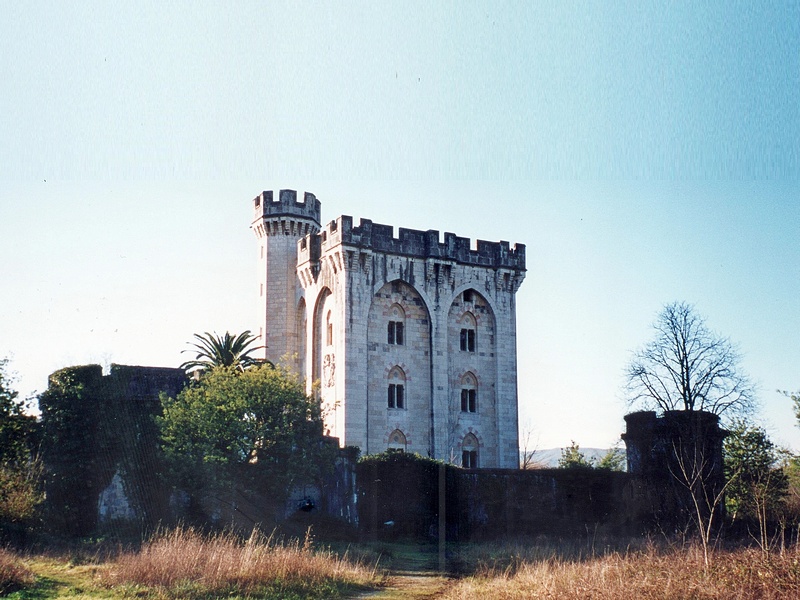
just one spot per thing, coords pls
(13, 574)
(186, 564)
(649, 575)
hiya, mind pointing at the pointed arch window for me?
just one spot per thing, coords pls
(469, 393)
(328, 329)
(397, 325)
(469, 452)
(468, 333)
(396, 391)
(397, 441)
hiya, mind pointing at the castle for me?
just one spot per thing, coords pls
(412, 339)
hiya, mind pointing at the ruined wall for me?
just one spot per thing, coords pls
(672, 456)
(101, 448)
(402, 495)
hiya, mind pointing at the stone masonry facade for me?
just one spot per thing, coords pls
(410, 341)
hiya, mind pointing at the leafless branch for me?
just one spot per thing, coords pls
(688, 367)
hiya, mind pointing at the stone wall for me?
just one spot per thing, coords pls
(400, 495)
(101, 445)
(674, 456)
(352, 272)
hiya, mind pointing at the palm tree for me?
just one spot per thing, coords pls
(222, 351)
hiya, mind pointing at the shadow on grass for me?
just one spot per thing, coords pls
(43, 588)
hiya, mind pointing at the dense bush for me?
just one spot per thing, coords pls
(247, 435)
(20, 468)
(13, 574)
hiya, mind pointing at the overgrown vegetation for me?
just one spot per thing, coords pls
(243, 434)
(20, 492)
(20, 466)
(13, 574)
(186, 564)
(649, 574)
(758, 482)
(248, 432)
(95, 426)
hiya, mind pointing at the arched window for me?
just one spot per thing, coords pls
(469, 452)
(301, 340)
(469, 393)
(397, 441)
(396, 397)
(397, 325)
(328, 330)
(468, 332)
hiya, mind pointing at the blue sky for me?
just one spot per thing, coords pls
(644, 153)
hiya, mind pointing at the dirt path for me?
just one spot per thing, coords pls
(414, 574)
(415, 586)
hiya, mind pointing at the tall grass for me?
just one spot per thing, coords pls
(13, 574)
(184, 563)
(648, 574)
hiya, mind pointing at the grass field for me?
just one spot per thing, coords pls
(188, 565)
(645, 574)
(185, 564)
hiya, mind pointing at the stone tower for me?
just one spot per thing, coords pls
(278, 224)
(409, 340)
(678, 459)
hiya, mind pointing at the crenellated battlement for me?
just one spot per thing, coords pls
(286, 204)
(378, 316)
(411, 242)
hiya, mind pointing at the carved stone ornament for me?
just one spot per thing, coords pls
(328, 370)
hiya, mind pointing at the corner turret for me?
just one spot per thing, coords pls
(287, 208)
(279, 222)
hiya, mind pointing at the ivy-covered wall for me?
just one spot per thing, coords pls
(95, 426)
(404, 495)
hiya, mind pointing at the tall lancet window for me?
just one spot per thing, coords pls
(396, 393)
(469, 393)
(397, 325)
(468, 332)
(469, 452)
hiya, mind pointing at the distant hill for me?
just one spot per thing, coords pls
(548, 458)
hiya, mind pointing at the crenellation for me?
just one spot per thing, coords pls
(369, 301)
(421, 244)
(286, 203)
(426, 244)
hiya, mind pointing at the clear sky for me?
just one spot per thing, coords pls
(644, 153)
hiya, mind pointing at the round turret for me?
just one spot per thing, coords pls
(279, 223)
(286, 208)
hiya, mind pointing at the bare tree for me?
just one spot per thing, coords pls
(528, 449)
(695, 471)
(693, 373)
(688, 367)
